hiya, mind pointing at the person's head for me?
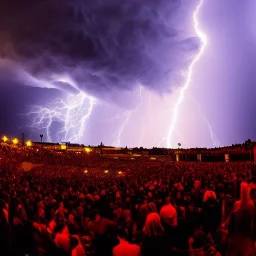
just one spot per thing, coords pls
(71, 219)
(209, 195)
(103, 192)
(60, 221)
(122, 233)
(198, 239)
(178, 196)
(153, 226)
(41, 215)
(167, 200)
(244, 195)
(134, 226)
(73, 242)
(19, 210)
(96, 215)
(150, 195)
(152, 207)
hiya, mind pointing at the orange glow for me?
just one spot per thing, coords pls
(15, 141)
(29, 143)
(5, 138)
(106, 171)
(87, 150)
(63, 147)
(85, 171)
(119, 172)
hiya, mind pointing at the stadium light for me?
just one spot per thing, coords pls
(15, 141)
(29, 143)
(85, 171)
(87, 150)
(119, 172)
(63, 146)
(5, 139)
(106, 171)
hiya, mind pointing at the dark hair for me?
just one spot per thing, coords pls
(94, 213)
(73, 242)
(253, 171)
(121, 231)
(199, 239)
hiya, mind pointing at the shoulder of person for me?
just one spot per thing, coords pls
(17, 221)
(90, 223)
(236, 204)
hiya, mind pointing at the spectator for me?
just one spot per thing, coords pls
(169, 214)
(154, 241)
(124, 248)
(104, 234)
(240, 224)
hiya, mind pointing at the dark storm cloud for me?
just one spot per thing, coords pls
(102, 44)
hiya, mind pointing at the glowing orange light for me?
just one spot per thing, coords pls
(106, 171)
(15, 141)
(5, 138)
(29, 143)
(120, 172)
(87, 150)
(85, 171)
(63, 147)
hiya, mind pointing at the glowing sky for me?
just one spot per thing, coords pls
(113, 71)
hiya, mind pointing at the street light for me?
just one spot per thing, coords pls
(15, 141)
(5, 139)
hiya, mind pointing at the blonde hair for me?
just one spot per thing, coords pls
(153, 226)
(244, 196)
(209, 194)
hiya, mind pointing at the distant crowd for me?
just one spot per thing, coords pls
(85, 204)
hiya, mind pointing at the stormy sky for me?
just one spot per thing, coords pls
(131, 58)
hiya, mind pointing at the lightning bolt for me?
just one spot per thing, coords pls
(215, 140)
(142, 136)
(203, 39)
(127, 115)
(149, 106)
(71, 113)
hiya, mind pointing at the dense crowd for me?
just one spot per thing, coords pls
(82, 204)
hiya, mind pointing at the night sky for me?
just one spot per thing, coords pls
(112, 71)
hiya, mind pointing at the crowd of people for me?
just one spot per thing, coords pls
(82, 204)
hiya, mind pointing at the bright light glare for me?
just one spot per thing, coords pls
(15, 141)
(87, 150)
(29, 143)
(85, 171)
(106, 171)
(120, 172)
(63, 147)
(5, 138)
